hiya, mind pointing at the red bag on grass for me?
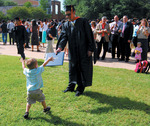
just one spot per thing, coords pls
(142, 67)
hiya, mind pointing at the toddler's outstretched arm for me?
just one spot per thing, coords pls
(23, 63)
(46, 62)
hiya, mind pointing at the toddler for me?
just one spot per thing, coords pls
(34, 83)
(138, 51)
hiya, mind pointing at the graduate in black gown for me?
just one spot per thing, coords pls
(77, 32)
(20, 37)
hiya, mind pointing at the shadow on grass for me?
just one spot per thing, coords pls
(56, 120)
(116, 103)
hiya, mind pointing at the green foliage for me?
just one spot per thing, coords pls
(1, 2)
(7, 3)
(93, 9)
(38, 13)
(24, 13)
(10, 3)
(117, 97)
(2, 16)
(27, 4)
(44, 4)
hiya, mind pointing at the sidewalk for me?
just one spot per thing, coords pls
(108, 62)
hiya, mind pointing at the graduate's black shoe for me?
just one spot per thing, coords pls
(47, 109)
(78, 93)
(71, 90)
(26, 115)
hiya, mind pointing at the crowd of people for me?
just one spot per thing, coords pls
(38, 32)
(119, 36)
(115, 36)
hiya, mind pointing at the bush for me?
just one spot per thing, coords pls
(2, 16)
(24, 13)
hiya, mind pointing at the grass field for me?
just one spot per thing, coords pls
(118, 97)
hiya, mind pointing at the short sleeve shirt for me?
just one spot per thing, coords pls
(141, 33)
(49, 31)
(34, 78)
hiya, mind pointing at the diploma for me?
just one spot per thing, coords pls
(58, 59)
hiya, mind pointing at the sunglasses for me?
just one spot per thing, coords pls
(68, 14)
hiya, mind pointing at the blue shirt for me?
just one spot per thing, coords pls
(135, 30)
(34, 78)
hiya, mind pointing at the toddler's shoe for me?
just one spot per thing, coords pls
(26, 115)
(47, 109)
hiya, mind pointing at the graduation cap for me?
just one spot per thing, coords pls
(70, 8)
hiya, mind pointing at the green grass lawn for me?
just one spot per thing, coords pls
(118, 97)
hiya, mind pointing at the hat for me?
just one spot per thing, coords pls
(70, 7)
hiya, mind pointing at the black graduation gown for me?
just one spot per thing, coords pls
(80, 40)
(20, 36)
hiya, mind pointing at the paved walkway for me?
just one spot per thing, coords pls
(108, 62)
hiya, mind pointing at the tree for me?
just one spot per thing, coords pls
(21, 12)
(38, 13)
(24, 13)
(10, 3)
(2, 16)
(27, 4)
(1, 2)
(93, 9)
(44, 4)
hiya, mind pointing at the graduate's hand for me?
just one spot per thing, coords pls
(89, 53)
(58, 50)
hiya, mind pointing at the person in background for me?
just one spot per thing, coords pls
(10, 27)
(93, 27)
(135, 28)
(149, 37)
(102, 38)
(27, 26)
(134, 38)
(4, 32)
(44, 27)
(138, 51)
(40, 31)
(20, 37)
(34, 37)
(115, 36)
(126, 31)
(143, 33)
(49, 48)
